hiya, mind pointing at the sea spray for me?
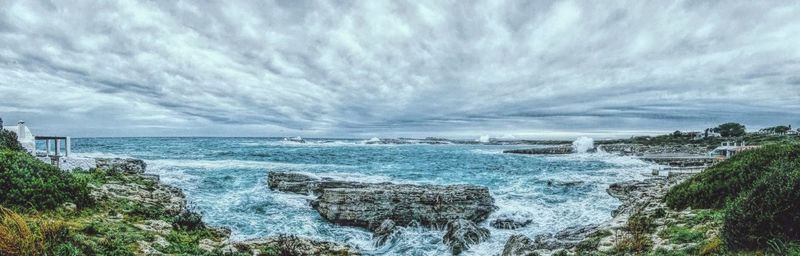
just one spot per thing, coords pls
(484, 139)
(583, 144)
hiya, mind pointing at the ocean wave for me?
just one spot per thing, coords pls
(100, 155)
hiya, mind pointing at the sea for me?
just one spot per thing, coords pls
(225, 179)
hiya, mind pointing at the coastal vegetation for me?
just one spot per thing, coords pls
(712, 137)
(757, 192)
(116, 211)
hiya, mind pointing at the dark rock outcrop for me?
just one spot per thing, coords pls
(636, 195)
(428, 205)
(510, 223)
(307, 185)
(289, 245)
(382, 207)
(461, 234)
(519, 245)
(368, 205)
(639, 150)
(559, 150)
(123, 165)
(383, 232)
(522, 245)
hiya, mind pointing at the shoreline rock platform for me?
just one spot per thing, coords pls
(381, 207)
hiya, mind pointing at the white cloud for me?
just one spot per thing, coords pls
(339, 68)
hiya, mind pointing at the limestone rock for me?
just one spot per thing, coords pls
(510, 223)
(428, 205)
(308, 185)
(461, 234)
(559, 150)
(152, 194)
(294, 245)
(384, 231)
(519, 245)
(123, 165)
(368, 205)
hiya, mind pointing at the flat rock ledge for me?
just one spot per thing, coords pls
(123, 165)
(382, 207)
(368, 205)
(557, 150)
(145, 189)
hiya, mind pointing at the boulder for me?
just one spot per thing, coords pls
(461, 234)
(123, 165)
(428, 205)
(510, 223)
(519, 245)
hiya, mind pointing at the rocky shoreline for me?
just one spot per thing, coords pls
(638, 198)
(381, 207)
(132, 185)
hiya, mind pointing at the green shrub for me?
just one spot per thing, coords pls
(8, 140)
(719, 184)
(682, 234)
(768, 212)
(29, 183)
(188, 221)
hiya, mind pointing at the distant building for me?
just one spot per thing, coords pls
(729, 149)
(24, 136)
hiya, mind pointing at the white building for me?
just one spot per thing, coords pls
(24, 136)
(62, 160)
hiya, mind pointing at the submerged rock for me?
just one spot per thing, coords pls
(384, 231)
(510, 223)
(123, 165)
(461, 234)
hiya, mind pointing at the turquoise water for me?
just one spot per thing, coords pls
(225, 180)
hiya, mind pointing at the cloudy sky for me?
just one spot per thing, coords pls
(395, 68)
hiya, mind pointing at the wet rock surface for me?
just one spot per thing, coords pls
(427, 205)
(637, 196)
(640, 150)
(307, 185)
(290, 245)
(461, 234)
(510, 223)
(368, 205)
(558, 150)
(384, 231)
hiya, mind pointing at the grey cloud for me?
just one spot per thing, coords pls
(338, 68)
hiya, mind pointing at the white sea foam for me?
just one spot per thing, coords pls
(583, 144)
(247, 206)
(100, 155)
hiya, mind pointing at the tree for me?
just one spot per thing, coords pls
(677, 134)
(730, 130)
(782, 129)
